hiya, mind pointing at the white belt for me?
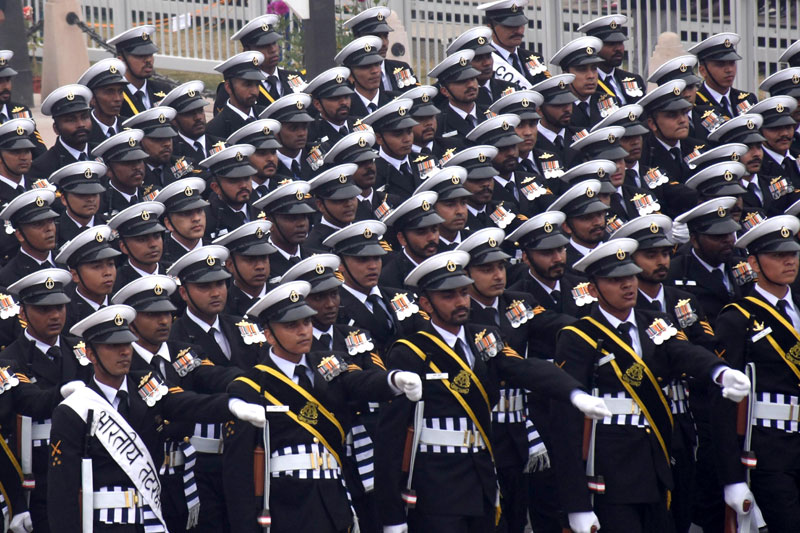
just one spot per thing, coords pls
(206, 445)
(303, 461)
(128, 499)
(776, 411)
(175, 458)
(450, 437)
(41, 431)
(622, 406)
(509, 404)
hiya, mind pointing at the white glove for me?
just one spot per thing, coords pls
(249, 412)
(589, 405)
(399, 528)
(583, 522)
(736, 495)
(735, 385)
(21, 523)
(409, 384)
(70, 387)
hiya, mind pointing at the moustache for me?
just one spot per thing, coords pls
(558, 265)
(461, 309)
(784, 138)
(661, 270)
(5, 92)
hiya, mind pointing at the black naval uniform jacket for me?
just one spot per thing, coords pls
(238, 301)
(450, 121)
(565, 304)
(448, 483)
(51, 160)
(79, 307)
(704, 101)
(776, 450)
(131, 105)
(296, 504)
(619, 75)
(67, 229)
(396, 268)
(184, 329)
(629, 457)
(359, 110)
(180, 148)
(655, 155)
(264, 98)
(19, 110)
(687, 273)
(227, 121)
(20, 266)
(69, 430)
(221, 218)
(354, 313)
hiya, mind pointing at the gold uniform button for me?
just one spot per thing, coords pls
(315, 440)
(660, 379)
(647, 430)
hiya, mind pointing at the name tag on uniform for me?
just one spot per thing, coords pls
(277, 408)
(761, 334)
(436, 376)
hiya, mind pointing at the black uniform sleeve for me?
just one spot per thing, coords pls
(64, 472)
(540, 377)
(731, 331)
(394, 419)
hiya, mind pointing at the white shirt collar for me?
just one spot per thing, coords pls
(287, 367)
(13, 184)
(147, 355)
(48, 261)
(396, 163)
(773, 300)
(551, 135)
(125, 195)
(286, 255)
(718, 96)
(556, 287)
(708, 267)
(43, 347)
(146, 96)
(368, 101)
(196, 246)
(72, 151)
(659, 297)
(286, 160)
(203, 325)
(92, 303)
(775, 155)
(190, 142)
(456, 240)
(463, 114)
(103, 127)
(318, 332)
(615, 322)
(360, 296)
(451, 339)
(141, 272)
(110, 393)
(668, 147)
(239, 112)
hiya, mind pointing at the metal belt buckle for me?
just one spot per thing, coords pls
(635, 408)
(469, 438)
(794, 413)
(131, 499)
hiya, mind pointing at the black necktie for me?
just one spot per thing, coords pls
(272, 81)
(111, 132)
(495, 314)
(675, 152)
(3, 118)
(726, 107)
(472, 121)
(372, 107)
(752, 188)
(199, 149)
(53, 353)
(296, 169)
(559, 142)
(325, 340)
(139, 96)
(584, 107)
(83, 157)
(261, 190)
(624, 330)
(425, 151)
(515, 62)
(720, 275)
(783, 308)
(293, 260)
(405, 169)
(789, 167)
(385, 325)
(301, 373)
(527, 165)
(632, 177)
(124, 407)
(556, 296)
(459, 349)
(343, 131)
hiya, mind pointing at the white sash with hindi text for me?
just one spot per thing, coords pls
(122, 443)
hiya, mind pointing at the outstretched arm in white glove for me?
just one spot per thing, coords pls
(407, 383)
(21, 523)
(739, 497)
(583, 522)
(589, 405)
(249, 412)
(735, 385)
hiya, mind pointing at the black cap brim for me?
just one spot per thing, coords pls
(625, 269)
(344, 193)
(752, 137)
(512, 21)
(115, 337)
(779, 245)
(368, 249)
(291, 314)
(562, 98)
(147, 48)
(659, 241)
(98, 255)
(19, 143)
(463, 74)
(35, 216)
(778, 122)
(191, 205)
(209, 276)
(449, 283)
(255, 250)
(592, 206)
(336, 91)
(130, 155)
(606, 187)
(55, 298)
(143, 230)
(191, 106)
(481, 173)
(723, 227)
(84, 188)
(678, 104)
(611, 153)
(490, 257)
(727, 55)
(161, 305)
(551, 242)
(425, 110)
(727, 189)
(161, 132)
(635, 129)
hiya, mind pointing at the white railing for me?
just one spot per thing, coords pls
(194, 34)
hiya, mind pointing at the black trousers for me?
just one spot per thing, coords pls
(778, 497)
(543, 509)
(442, 523)
(514, 499)
(633, 518)
(213, 512)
